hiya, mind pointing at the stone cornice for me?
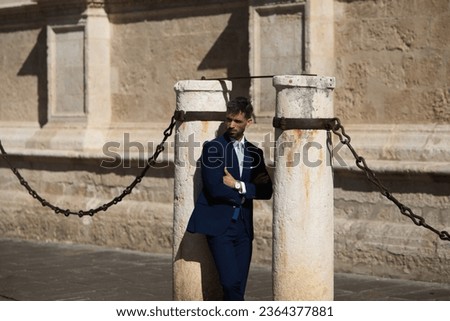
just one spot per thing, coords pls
(414, 148)
(261, 3)
(67, 7)
(95, 3)
(136, 6)
(386, 148)
(21, 14)
(17, 4)
(26, 13)
(70, 3)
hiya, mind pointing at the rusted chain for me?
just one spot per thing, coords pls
(58, 210)
(334, 125)
(338, 129)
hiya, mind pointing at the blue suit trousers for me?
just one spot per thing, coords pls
(232, 253)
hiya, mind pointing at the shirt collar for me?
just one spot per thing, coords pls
(235, 141)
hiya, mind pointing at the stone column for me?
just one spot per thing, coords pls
(303, 193)
(194, 273)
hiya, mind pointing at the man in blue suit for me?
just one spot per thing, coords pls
(233, 174)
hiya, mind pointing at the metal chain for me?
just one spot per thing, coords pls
(335, 126)
(151, 161)
(338, 129)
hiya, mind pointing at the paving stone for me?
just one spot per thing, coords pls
(34, 271)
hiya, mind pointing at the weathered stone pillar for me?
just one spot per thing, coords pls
(194, 273)
(303, 193)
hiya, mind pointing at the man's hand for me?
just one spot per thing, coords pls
(228, 179)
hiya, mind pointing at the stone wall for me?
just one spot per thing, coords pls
(391, 63)
(154, 47)
(66, 152)
(141, 222)
(393, 74)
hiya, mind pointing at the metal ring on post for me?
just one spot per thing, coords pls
(303, 123)
(181, 115)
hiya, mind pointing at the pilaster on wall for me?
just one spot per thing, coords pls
(78, 64)
(277, 36)
(78, 79)
(319, 38)
(288, 37)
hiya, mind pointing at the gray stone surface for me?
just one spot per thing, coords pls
(32, 271)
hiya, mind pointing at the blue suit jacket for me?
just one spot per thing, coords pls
(215, 206)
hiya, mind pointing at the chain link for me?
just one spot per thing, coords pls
(338, 129)
(151, 161)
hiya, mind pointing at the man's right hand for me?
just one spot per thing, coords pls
(228, 179)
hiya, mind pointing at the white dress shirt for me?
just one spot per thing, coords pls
(239, 150)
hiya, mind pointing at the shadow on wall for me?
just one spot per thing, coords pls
(397, 183)
(229, 52)
(36, 65)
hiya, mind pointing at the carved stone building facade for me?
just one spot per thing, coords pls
(87, 90)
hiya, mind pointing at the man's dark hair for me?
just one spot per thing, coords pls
(240, 105)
